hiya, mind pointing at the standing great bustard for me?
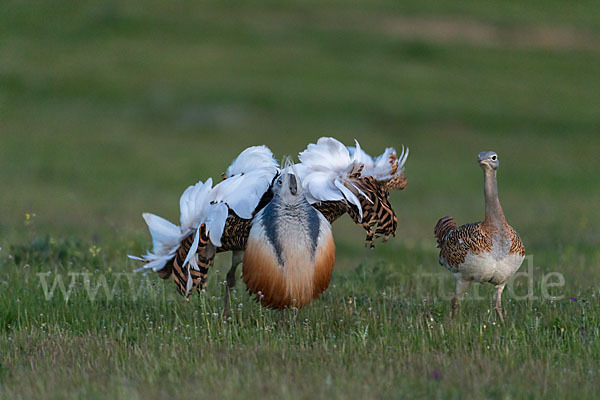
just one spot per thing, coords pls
(290, 251)
(488, 251)
(335, 180)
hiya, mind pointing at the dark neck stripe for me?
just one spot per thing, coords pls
(314, 225)
(269, 222)
(271, 219)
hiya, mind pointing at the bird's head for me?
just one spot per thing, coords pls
(287, 185)
(488, 160)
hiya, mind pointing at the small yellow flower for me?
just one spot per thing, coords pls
(28, 218)
(350, 300)
(95, 250)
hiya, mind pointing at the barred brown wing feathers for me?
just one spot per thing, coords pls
(516, 246)
(367, 222)
(396, 183)
(237, 230)
(379, 218)
(331, 210)
(457, 243)
(235, 237)
(179, 274)
(235, 234)
(443, 227)
(205, 255)
(167, 270)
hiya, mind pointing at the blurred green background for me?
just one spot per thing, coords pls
(109, 109)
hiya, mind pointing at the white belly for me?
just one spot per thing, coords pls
(486, 267)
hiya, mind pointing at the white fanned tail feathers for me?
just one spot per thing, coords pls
(328, 172)
(383, 167)
(248, 178)
(253, 159)
(166, 237)
(331, 171)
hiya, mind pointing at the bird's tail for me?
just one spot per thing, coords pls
(444, 226)
(185, 258)
(165, 238)
(387, 168)
(329, 172)
(186, 251)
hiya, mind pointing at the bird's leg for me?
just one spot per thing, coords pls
(455, 305)
(499, 290)
(237, 257)
(461, 287)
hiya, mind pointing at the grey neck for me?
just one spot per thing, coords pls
(493, 211)
(289, 200)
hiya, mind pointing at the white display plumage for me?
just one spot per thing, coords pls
(249, 177)
(195, 210)
(325, 169)
(253, 159)
(380, 167)
(328, 171)
(193, 205)
(165, 241)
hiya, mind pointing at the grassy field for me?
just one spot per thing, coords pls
(109, 110)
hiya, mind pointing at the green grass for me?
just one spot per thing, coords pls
(108, 110)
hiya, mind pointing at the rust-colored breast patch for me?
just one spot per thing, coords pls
(278, 286)
(324, 262)
(263, 276)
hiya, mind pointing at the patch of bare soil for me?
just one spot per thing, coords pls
(480, 33)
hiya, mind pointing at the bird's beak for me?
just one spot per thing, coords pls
(293, 185)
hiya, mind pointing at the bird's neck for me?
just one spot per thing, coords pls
(291, 202)
(493, 211)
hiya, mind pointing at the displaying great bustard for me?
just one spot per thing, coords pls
(489, 251)
(290, 251)
(334, 180)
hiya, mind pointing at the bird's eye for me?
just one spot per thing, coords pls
(494, 158)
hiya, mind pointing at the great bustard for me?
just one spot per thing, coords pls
(335, 180)
(489, 251)
(290, 251)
